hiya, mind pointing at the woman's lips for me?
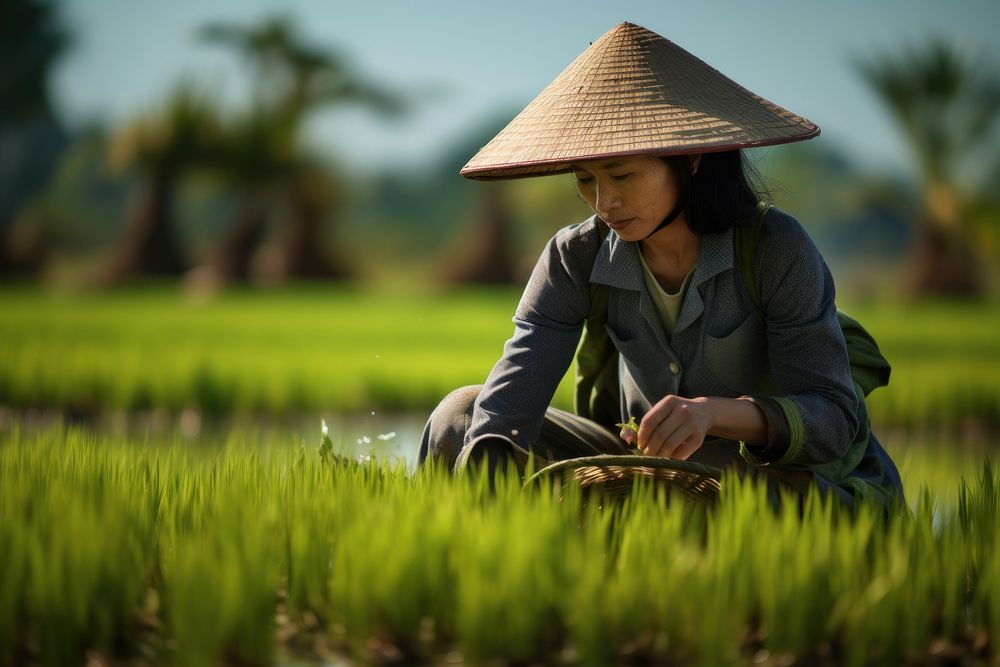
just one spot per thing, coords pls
(619, 224)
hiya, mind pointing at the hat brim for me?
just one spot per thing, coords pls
(530, 168)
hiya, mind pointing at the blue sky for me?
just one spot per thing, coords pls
(491, 56)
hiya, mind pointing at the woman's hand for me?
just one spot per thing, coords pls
(675, 427)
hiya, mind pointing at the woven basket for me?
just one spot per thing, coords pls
(613, 476)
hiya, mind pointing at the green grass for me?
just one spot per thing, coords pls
(255, 352)
(235, 553)
(325, 349)
(946, 364)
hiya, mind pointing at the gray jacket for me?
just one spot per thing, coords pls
(721, 344)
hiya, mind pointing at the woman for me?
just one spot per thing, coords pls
(720, 363)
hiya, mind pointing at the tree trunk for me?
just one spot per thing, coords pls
(231, 260)
(942, 264)
(488, 257)
(23, 250)
(302, 252)
(149, 246)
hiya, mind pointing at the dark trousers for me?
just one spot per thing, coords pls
(564, 435)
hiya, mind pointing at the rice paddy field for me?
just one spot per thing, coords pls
(251, 546)
(248, 552)
(325, 350)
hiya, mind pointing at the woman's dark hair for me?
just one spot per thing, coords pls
(722, 194)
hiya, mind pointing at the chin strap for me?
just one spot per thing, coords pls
(678, 208)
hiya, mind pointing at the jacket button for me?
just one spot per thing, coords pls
(675, 367)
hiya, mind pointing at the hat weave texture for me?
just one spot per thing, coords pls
(633, 92)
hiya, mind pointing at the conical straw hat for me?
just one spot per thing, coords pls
(633, 92)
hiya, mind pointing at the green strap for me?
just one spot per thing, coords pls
(596, 391)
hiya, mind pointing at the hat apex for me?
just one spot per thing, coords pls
(633, 92)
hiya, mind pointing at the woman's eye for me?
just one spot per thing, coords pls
(584, 180)
(621, 177)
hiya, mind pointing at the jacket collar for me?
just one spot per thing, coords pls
(618, 265)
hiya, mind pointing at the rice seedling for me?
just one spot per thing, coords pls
(245, 551)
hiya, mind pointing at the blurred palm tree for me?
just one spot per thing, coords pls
(484, 254)
(266, 159)
(161, 146)
(487, 249)
(249, 160)
(32, 40)
(947, 109)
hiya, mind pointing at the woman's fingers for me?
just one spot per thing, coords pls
(657, 443)
(655, 418)
(667, 444)
(672, 430)
(686, 449)
(661, 421)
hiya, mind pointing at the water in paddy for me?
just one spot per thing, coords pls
(383, 435)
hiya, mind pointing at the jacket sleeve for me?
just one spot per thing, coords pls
(812, 414)
(547, 327)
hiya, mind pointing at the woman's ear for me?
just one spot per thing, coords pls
(695, 161)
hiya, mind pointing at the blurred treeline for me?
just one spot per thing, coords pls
(215, 194)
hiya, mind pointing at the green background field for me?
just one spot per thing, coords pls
(325, 350)
(242, 545)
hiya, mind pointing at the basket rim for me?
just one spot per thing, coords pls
(628, 461)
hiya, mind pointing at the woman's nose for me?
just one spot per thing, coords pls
(606, 199)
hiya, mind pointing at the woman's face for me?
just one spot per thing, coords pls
(631, 194)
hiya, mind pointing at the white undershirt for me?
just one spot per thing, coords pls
(668, 304)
